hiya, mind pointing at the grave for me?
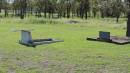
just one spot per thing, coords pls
(26, 39)
(106, 37)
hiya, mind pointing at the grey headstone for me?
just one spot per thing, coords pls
(26, 36)
(104, 35)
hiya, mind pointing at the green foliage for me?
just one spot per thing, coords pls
(70, 8)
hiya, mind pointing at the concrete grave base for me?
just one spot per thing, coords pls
(26, 39)
(113, 39)
(36, 42)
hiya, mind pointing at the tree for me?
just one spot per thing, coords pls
(84, 8)
(23, 5)
(95, 8)
(68, 8)
(128, 22)
(60, 8)
(0, 5)
(5, 7)
(31, 6)
(116, 9)
(20, 7)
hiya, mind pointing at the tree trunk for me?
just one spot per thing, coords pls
(23, 8)
(128, 26)
(0, 10)
(82, 13)
(52, 14)
(31, 9)
(128, 23)
(49, 15)
(68, 12)
(117, 18)
(64, 14)
(39, 13)
(6, 13)
(94, 14)
(86, 15)
(45, 12)
(21, 13)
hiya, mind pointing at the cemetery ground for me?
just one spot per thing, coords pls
(74, 55)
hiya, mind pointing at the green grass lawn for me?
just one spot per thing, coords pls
(74, 55)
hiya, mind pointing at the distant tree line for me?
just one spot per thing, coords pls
(65, 8)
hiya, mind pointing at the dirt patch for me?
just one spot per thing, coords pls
(72, 22)
(57, 66)
(11, 70)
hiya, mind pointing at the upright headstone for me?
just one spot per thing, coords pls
(104, 35)
(26, 37)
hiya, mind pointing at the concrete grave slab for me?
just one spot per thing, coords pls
(106, 37)
(26, 39)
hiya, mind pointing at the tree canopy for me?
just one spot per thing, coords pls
(66, 8)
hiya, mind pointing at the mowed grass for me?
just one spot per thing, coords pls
(74, 55)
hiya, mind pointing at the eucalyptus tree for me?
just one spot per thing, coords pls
(52, 7)
(0, 5)
(23, 6)
(61, 8)
(128, 22)
(116, 9)
(20, 7)
(84, 8)
(71, 7)
(94, 7)
(31, 5)
(16, 7)
(45, 5)
(74, 6)
(105, 8)
(68, 8)
(5, 6)
(39, 7)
